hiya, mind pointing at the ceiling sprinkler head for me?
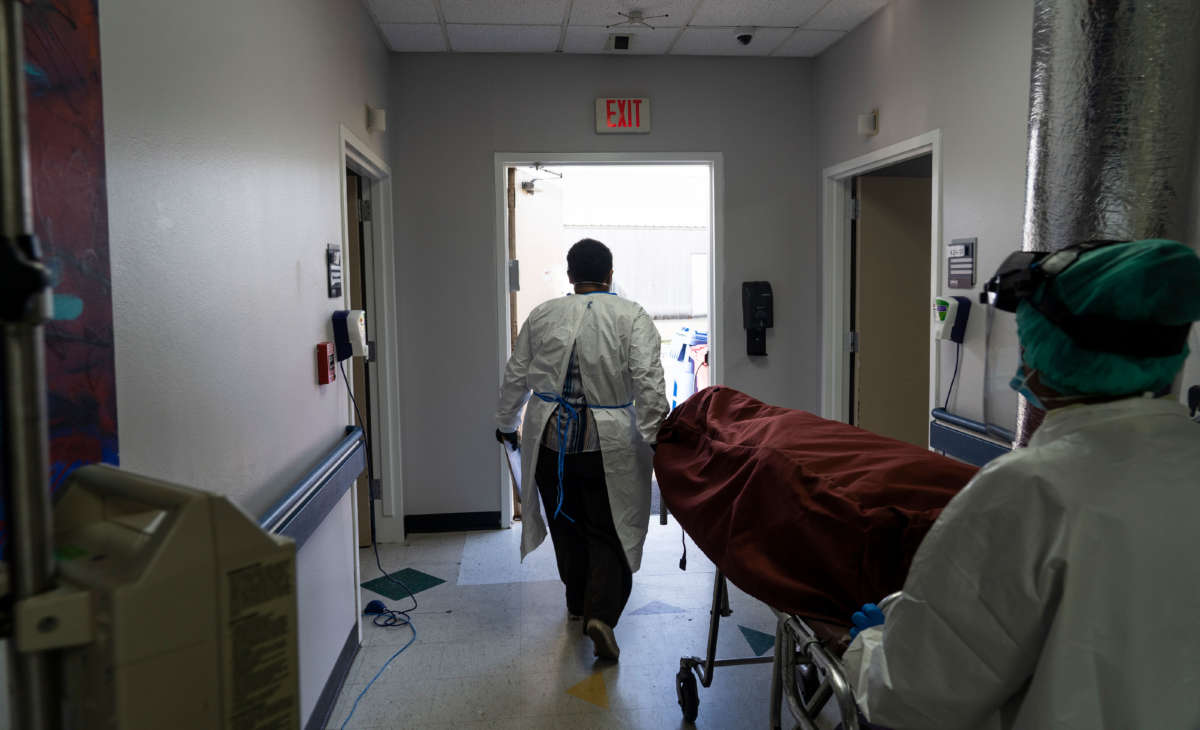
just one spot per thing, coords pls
(637, 19)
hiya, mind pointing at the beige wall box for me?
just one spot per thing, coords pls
(868, 124)
(376, 119)
(622, 115)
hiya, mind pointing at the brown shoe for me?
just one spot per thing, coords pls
(603, 639)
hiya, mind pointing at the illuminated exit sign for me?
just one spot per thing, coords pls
(615, 115)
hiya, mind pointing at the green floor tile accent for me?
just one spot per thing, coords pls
(760, 642)
(414, 579)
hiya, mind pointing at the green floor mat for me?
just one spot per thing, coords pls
(414, 579)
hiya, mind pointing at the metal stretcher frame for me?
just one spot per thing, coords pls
(798, 650)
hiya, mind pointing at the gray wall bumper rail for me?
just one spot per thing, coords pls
(307, 504)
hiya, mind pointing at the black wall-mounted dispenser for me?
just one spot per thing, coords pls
(758, 313)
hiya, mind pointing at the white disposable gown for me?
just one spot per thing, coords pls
(1060, 589)
(619, 353)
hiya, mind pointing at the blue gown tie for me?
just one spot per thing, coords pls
(564, 419)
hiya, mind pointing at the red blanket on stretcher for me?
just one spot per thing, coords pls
(810, 516)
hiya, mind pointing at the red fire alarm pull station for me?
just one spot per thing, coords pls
(326, 363)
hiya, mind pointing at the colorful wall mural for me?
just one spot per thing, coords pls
(66, 139)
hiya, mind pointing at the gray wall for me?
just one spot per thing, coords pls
(450, 114)
(961, 66)
(221, 127)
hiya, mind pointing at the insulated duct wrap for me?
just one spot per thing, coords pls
(1112, 121)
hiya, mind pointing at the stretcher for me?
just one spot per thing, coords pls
(806, 671)
(811, 517)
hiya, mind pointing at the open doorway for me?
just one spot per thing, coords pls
(658, 219)
(358, 223)
(889, 302)
(881, 268)
(369, 271)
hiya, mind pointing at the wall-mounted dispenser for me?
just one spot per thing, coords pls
(350, 333)
(758, 313)
(950, 316)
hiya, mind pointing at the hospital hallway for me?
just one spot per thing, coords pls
(494, 648)
(294, 289)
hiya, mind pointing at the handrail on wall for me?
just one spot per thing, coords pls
(987, 429)
(319, 490)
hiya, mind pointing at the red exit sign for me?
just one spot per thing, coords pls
(621, 115)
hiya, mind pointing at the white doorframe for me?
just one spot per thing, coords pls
(504, 160)
(835, 266)
(380, 259)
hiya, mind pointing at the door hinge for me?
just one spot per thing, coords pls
(364, 211)
(370, 351)
(375, 489)
(851, 342)
(514, 275)
(855, 209)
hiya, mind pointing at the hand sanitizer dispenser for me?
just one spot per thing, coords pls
(950, 317)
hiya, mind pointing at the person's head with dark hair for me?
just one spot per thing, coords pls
(589, 265)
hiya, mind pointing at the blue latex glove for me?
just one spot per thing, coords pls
(869, 616)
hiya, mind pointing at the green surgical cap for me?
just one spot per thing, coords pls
(1152, 281)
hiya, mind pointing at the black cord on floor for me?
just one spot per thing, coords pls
(371, 507)
(950, 390)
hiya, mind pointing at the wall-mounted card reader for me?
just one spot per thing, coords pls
(350, 333)
(758, 313)
(961, 255)
(333, 265)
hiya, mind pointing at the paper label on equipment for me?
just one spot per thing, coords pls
(260, 641)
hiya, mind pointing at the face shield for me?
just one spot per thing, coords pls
(1026, 279)
(1017, 279)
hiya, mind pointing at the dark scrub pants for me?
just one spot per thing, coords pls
(591, 561)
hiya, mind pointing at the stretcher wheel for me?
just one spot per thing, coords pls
(689, 695)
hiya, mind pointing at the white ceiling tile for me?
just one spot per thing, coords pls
(511, 12)
(582, 39)
(403, 11)
(844, 14)
(756, 12)
(721, 42)
(809, 43)
(414, 37)
(504, 38)
(605, 12)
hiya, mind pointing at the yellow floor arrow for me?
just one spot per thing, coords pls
(592, 690)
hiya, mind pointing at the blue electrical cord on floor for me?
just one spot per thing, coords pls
(384, 617)
(379, 673)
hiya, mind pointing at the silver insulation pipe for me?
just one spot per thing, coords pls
(1112, 121)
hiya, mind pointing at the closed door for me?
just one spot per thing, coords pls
(892, 308)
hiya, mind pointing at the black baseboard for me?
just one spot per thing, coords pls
(320, 717)
(452, 522)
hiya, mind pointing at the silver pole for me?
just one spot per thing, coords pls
(25, 304)
(1112, 118)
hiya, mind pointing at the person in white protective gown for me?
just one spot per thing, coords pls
(592, 362)
(1060, 589)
